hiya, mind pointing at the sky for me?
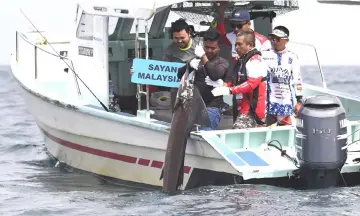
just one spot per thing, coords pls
(331, 28)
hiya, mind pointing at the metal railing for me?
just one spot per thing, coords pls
(36, 48)
(138, 40)
(317, 59)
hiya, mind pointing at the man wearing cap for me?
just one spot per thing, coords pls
(284, 79)
(240, 21)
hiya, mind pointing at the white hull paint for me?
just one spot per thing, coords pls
(113, 149)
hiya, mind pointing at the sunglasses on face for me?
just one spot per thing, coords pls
(275, 39)
(237, 25)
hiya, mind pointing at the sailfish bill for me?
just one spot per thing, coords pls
(189, 109)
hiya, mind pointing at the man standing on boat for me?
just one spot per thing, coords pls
(209, 65)
(181, 50)
(240, 21)
(284, 79)
(248, 85)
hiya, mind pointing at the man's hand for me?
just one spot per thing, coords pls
(195, 63)
(199, 51)
(223, 90)
(131, 70)
(217, 83)
(297, 108)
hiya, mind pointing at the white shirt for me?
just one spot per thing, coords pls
(284, 80)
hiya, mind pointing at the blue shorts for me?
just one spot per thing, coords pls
(215, 117)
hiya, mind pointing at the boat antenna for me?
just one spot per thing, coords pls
(71, 68)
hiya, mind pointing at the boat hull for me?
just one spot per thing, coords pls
(119, 160)
(114, 149)
(133, 153)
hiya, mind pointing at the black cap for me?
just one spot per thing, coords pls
(240, 15)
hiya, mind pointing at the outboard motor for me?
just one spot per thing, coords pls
(321, 133)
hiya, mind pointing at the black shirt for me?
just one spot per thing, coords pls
(215, 69)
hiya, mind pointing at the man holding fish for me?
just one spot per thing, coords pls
(248, 85)
(181, 50)
(284, 83)
(195, 104)
(209, 65)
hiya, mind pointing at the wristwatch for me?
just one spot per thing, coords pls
(299, 99)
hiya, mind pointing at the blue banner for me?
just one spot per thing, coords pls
(157, 73)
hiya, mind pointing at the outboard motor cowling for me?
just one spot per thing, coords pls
(321, 134)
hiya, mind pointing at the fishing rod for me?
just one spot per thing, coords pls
(71, 68)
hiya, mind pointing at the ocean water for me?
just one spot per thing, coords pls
(30, 184)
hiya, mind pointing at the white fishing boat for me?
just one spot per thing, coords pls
(67, 91)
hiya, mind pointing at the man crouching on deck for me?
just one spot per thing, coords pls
(249, 84)
(211, 66)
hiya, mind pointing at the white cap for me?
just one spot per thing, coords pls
(279, 33)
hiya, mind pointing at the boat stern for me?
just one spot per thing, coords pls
(251, 153)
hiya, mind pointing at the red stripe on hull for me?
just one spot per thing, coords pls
(144, 162)
(187, 169)
(111, 155)
(93, 151)
(157, 164)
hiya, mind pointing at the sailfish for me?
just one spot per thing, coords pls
(189, 109)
